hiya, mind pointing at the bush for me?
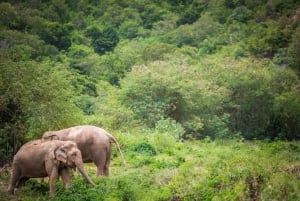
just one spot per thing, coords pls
(171, 127)
(129, 29)
(35, 98)
(106, 41)
(193, 34)
(145, 148)
(122, 188)
(57, 34)
(9, 16)
(149, 97)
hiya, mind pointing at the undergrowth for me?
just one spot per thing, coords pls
(190, 170)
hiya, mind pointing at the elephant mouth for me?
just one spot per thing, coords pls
(68, 164)
(71, 164)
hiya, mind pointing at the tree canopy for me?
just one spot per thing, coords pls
(222, 69)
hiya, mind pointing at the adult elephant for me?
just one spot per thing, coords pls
(42, 158)
(94, 143)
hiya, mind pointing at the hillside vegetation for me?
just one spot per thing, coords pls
(161, 169)
(218, 68)
(198, 70)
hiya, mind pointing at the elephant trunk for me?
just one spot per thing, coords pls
(79, 165)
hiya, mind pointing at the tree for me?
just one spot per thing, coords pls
(151, 14)
(266, 38)
(193, 34)
(104, 40)
(191, 12)
(129, 29)
(162, 90)
(28, 46)
(294, 50)
(34, 97)
(57, 34)
(8, 16)
(284, 122)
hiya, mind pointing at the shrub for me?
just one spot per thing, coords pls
(193, 34)
(171, 127)
(107, 189)
(165, 91)
(145, 148)
(103, 40)
(57, 34)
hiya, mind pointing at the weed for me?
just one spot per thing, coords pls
(192, 170)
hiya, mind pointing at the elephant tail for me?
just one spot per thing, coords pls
(118, 147)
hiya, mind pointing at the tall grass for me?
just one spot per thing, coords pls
(162, 168)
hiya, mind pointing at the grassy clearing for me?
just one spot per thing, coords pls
(159, 168)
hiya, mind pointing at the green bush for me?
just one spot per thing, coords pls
(162, 91)
(9, 15)
(103, 40)
(129, 29)
(193, 34)
(106, 41)
(56, 34)
(169, 126)
(145, 148)
(35, 97)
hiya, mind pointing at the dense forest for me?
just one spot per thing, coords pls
(203, 69)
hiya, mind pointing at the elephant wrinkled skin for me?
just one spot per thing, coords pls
(93, 142)
(42, 158)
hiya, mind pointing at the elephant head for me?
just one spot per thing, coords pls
(70, 156)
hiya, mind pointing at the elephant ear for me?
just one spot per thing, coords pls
(61, 154)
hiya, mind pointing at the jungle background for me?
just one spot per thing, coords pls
(205, 92)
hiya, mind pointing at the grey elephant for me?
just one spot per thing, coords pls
(42, 158)
(94, 143)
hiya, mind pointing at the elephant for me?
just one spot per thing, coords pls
(42, 158)
(93, 142)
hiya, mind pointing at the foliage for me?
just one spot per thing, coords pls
(267, 38)
(104, 40)
(294, 51)
(169, 126)
(34, 97)
(213, 170)
(158, 75)
(27, 46)
(9, 16)
(197, 69)
(145, 148)
(195, 33)
(129, 29)
(56, 34)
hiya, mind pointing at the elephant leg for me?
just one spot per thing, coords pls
(53, 177)
(65, 175)
(52, 182)
(100, 163)
(106, 169)
(103, 168)
(100, 170)
(21, 182)
(15, 178)
(99, 158)
(43, 179)
(107, 162)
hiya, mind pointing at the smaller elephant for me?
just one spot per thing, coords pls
(42, 158)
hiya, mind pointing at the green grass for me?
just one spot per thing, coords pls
(192, 170)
